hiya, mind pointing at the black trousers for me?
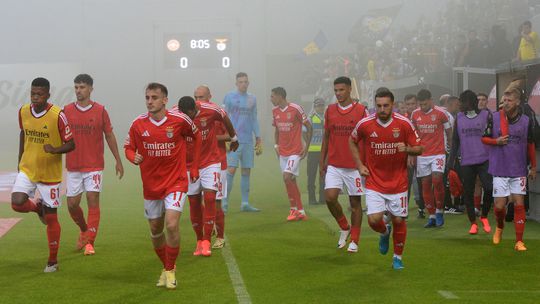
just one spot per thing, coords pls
(312, 173)
(468, 177)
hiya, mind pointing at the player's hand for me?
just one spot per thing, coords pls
(503, 140)
(411, 161)
(49, 149)
(193, 175)
(364, 171)
(119, 170)
(138, 159)
(304, 153)
(233, 146)
(532, 173)
(401, 147)
(258, 146)
(322, 170)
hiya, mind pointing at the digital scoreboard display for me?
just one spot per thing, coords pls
(187, 51)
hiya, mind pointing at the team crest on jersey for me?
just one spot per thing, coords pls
(433, 117)
(288, 115)
(170, 132)
(203, 122)
(395, 132)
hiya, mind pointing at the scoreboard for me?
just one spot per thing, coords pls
(188, 51)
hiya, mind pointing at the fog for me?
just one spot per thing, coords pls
(122, 44)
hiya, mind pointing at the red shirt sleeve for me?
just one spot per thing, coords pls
(326, 126)
(64, 127)
(356, 134)
(302, 115)
(107, 126)
(412, 137)
(130, 145)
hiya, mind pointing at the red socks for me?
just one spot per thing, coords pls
(343, 223)
(293, 193)
(519, 221)
(438, 190)
(28, 206)
(162, 254)
(78, 217)
(379, 227)
(209, 214)
(195, 213)
(427, 194)
(220, 223)
(355, 234)
(53, 235)
(499, 216)
(172, 254)
(290, 193)
(93, 223)
(399, 235)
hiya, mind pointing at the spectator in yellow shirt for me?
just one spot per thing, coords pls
(530, 43)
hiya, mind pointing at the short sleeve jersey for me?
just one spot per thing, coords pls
(431, 128)
(288, 122)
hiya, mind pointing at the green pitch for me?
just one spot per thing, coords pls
(279, 262)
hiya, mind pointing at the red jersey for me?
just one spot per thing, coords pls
(162, 145)
(340, 123)
(288, 122)
(205, 121)
(88, 126)
(220, 130)
(431, 128)
(387, 167)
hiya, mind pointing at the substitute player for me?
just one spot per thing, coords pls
(202, 93)
(288, 119)
(89, 122)
(512, 158)
(337, 164)
(388, 139)
(432, 124)
(45, 136)
(156, 142)
(205, 115)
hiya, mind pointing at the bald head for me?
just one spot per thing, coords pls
(202, 93)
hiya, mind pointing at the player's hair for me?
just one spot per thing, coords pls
(382, 89)
(84, 78)
(158, 86)
(280, 91)
(470, 98)
(452, 98)
(384, 93)
(186, 103)
(241, 74)
(482, 94)
(409, 97)
(423, 94)
(513, 91)
(343, 80)
(41, 83)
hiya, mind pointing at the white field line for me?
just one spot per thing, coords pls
(234, 273)
(449, 295)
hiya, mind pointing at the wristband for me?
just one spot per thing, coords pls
(235, 138)
(276, 146)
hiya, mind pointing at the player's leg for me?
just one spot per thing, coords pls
(333, 186)
(518, 189)
(247, 162)
(51, 201)
(233, 161)
(220, 215)
(397, 207)
(376, 207)
(487, 184)
(501, 193)
(437, 171)
(468, 175)
(93, 182)
(174, 206)
(355, 187)
(423, 173)
(290, 166)
(478, 195)
(22, 190)
(209, 178)
(75, 188)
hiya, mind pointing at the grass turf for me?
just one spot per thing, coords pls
(279, 261)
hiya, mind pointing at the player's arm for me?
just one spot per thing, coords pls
(307, 136)
(455, 148)
(355, 150)
(412, 146)
(130, 148)
(21, 148)
(276, 141)
(232, 133)
(197, 144)
(488, 139)
(531, 152)
(113, 146)
(324, 149)
(68, 144)
(448, 126)
(256, 128)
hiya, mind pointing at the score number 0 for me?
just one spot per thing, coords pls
(225, 62)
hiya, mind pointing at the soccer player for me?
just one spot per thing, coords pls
(202, 93)
(510, 135)
(337, 163)
(388, 139)
(241, 107)
(205, 115)
(467, 143)
(89, 122)
(45, 136)
(288, 119)
(156, 142)
(432, 124)
(412, 104)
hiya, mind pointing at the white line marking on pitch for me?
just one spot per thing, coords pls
(449, 295)
(234, 273)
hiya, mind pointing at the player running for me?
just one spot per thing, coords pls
(45, 135)
(204, 116)
(432, 124)
(467, 143)
(337, 163)
(388, 139)
(288, 119)
(89, 122)
(510, 135)
(156, 142)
